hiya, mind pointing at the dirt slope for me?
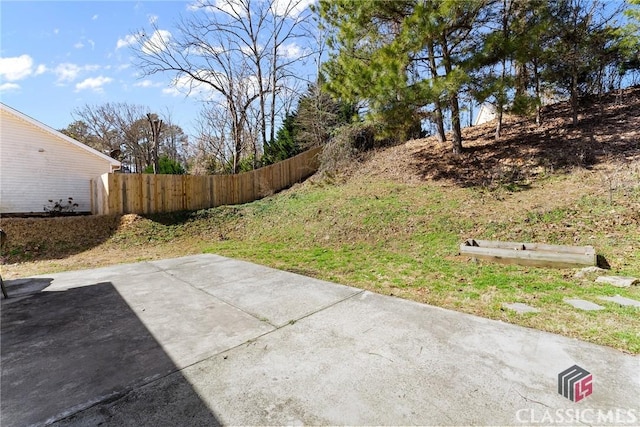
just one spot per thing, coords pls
(607, 135)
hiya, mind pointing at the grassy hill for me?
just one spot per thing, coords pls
(392, 224)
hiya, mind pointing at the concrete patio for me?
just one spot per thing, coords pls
(207, 340)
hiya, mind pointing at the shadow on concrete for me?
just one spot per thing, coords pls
(22, 287)
(66, 351)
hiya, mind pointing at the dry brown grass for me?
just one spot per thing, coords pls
(608, 135)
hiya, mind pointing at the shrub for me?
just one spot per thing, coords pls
(60, 208)
(347, 142)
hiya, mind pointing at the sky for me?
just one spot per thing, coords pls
(57, 56)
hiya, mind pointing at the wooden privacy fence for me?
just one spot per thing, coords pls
(119, 193)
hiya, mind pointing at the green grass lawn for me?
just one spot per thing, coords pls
(403, 240)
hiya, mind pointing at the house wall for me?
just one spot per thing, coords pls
(486, 114)
(36, 166)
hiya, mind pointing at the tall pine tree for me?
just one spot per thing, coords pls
(404, 58)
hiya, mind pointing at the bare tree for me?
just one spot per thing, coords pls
(174, 142)
(213, 147)
(101, 131)
(122, 130)
(239, 56)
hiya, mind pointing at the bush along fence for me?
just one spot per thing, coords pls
(118, 193)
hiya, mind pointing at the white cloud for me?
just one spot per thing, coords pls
(94, 17)
(179, 86)
(200, 5)
(204, 50)
(93, 83)
(16, 67)
(68, 72)
(250, 86)
(153, 19)
(41, 69)
(83, 42)
(157, 42)
(128, 40)
(147, 83)
(248, 50)
(237, 8)
(173, 91)
(9, 87)
(56, 30)
(233, 8)
(290, 8)
(186, 86)
(291, 51)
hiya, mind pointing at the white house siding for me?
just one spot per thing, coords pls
(486, 114)
(36, 166)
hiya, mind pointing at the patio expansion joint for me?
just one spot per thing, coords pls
(204, 291)
(261, 319)
(275, 328)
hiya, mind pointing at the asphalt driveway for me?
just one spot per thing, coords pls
(207, 340)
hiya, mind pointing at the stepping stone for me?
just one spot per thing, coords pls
(622, 300)
(521, 308)
(584, 304)
(619, 281)
(582, 273)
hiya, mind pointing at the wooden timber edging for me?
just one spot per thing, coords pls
(531, 254)
(120, 193)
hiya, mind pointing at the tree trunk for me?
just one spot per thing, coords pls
(442, 137)
(499, 124)
(501, 98)
(453, 101)
(520, 85)
(521, 79)
(156, 161)
(574, 97)
(536, 81)
(455, 123)
(156, 148)
(274, 81)
(236, 135)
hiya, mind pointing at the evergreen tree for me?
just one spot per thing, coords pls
(284, 145)
(501, 68)
(318, 115)
(403, 58)
(630, 42)
(410, 60)
(363, 66)
(167, 166)
(584, 42)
